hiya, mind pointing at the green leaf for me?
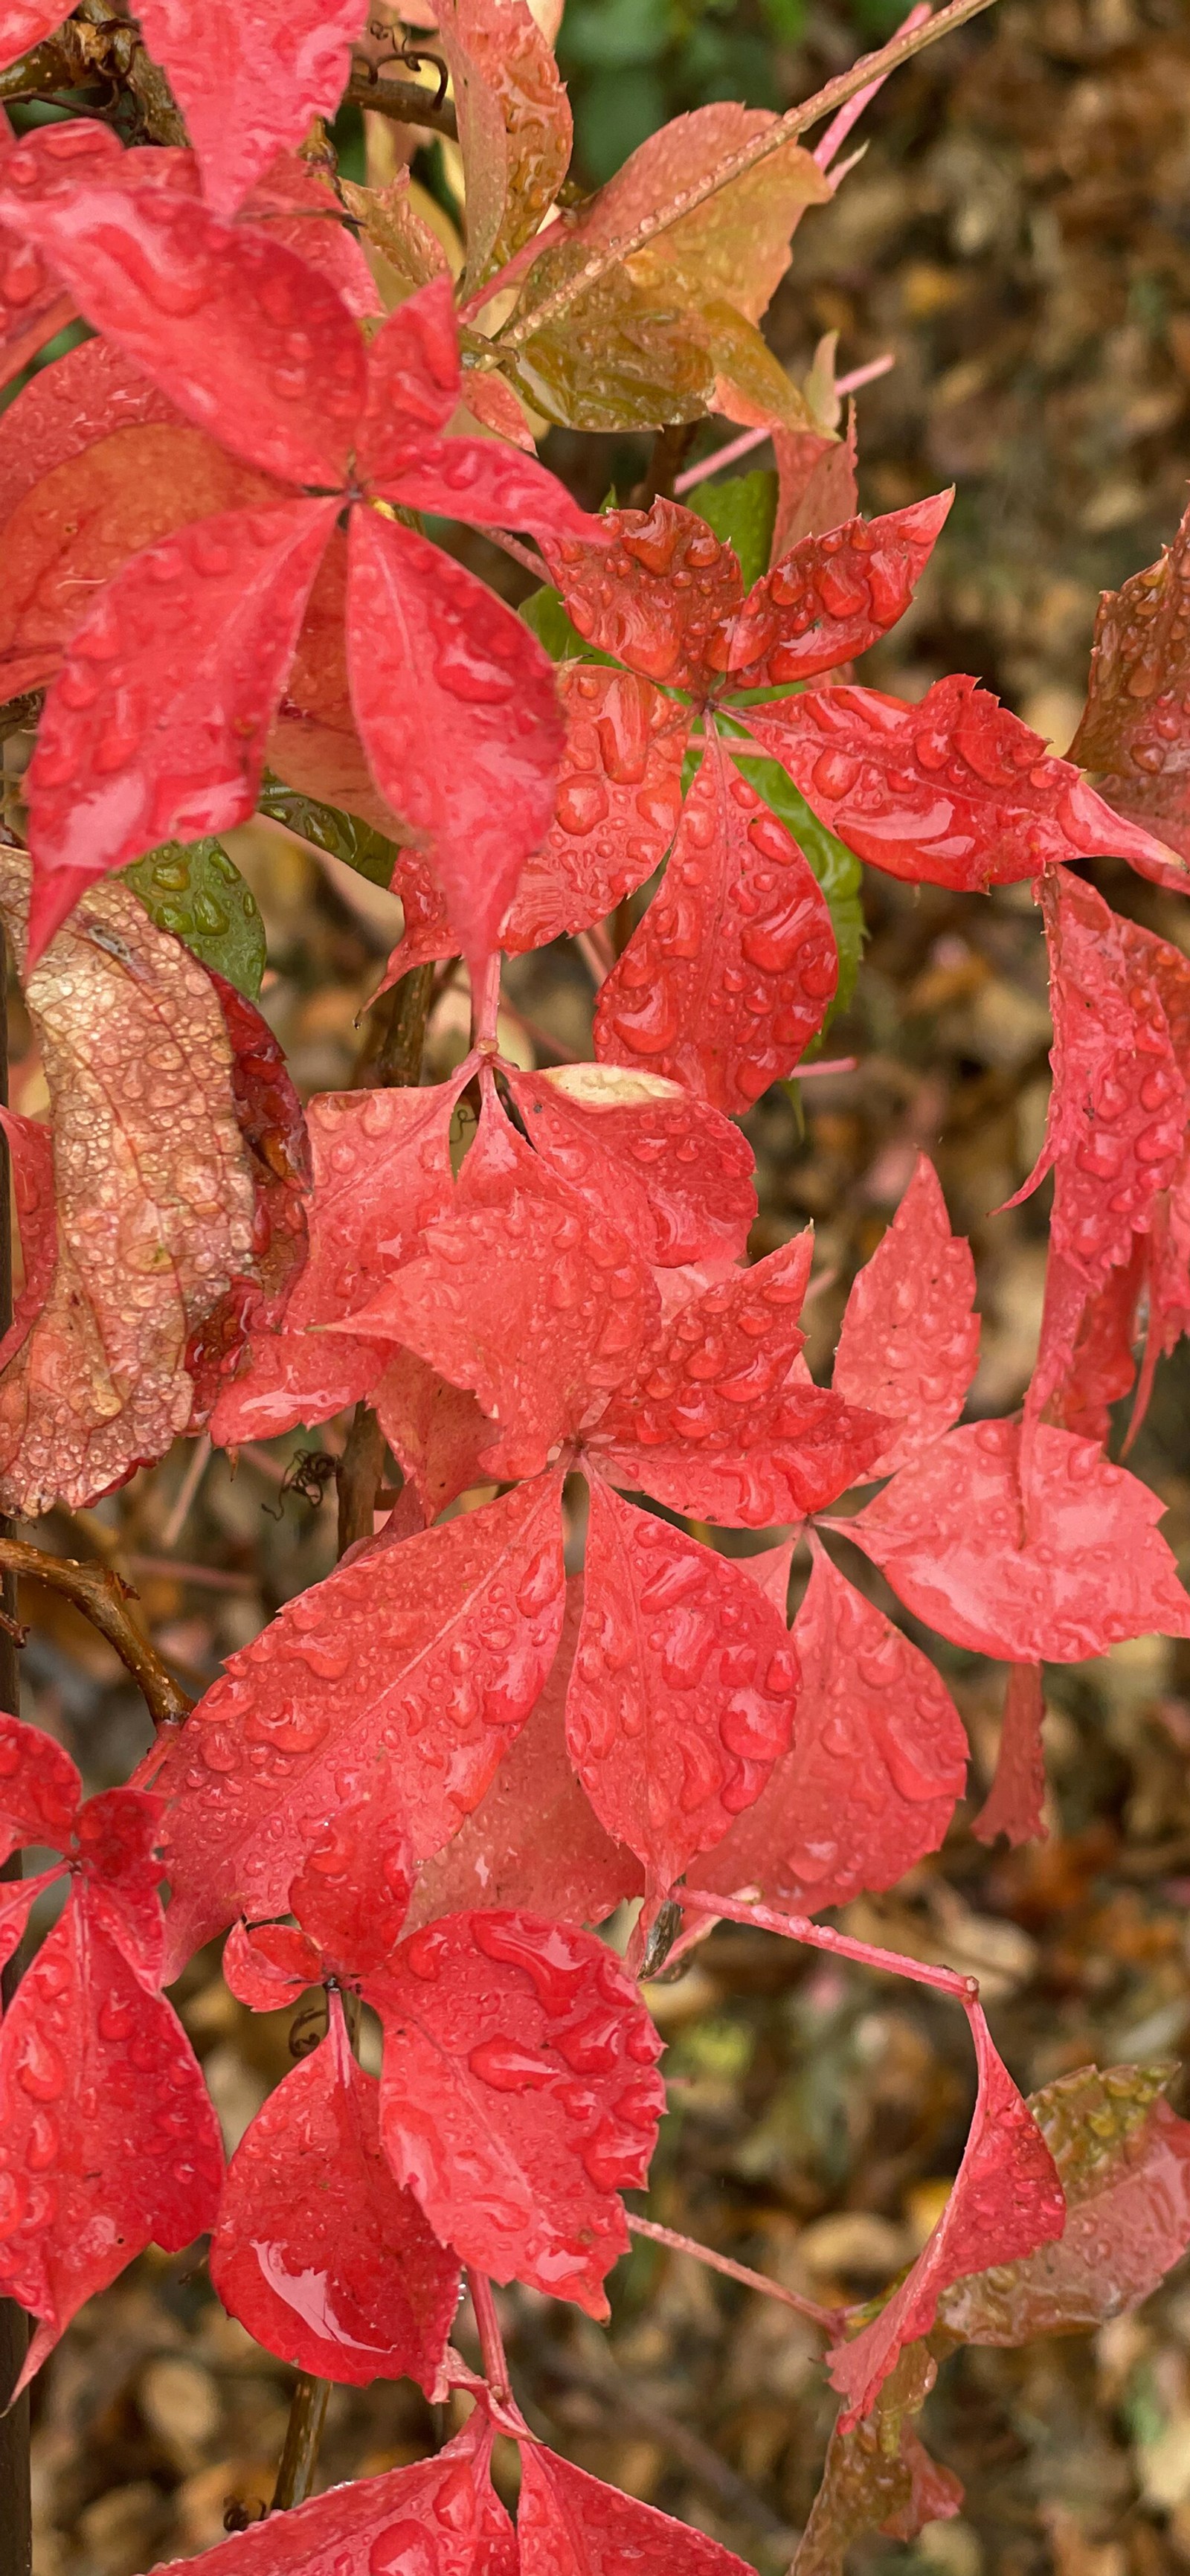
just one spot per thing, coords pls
(195, 890)
(544, 613)
(359, 845)
(742, 510)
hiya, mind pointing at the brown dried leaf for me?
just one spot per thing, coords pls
(1135, 727)
(154, 1191)
(879, 2477)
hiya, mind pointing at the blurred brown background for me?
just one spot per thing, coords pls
(1019, 236)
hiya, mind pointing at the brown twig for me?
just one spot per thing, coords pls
(786, 129)
(303, 2434)
(397, 1062)
(404, 102)
(102, 1596)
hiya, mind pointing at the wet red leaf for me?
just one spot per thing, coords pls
(828, 598)
(569, 2524)
(422, 1661)
(733, 968)
(653, 592)
(534, 1840)
(878, 1759)
(1006, 2201)
(815, 484)
(31, 1159)
(954, 791)
(1016, 1799)
(317, 2251)
(677, 1173)
(1068, 1571)
(436, 1432)
(40, 1788)
(718, 1420)
(524, 1294)
(683, 1692)
(909, 1340)
(514, 123)
(351, 1894)
(1135, 729)
(518, 2096)
(253, 96)
(441, 2516)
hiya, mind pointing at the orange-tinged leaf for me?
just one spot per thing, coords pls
(31, 1159)
(909, 1339)
(1135, 729)
(954, 791)
(418, 1662)
(155, 727)
(1123, 2158)
(85, 514)
(535, 1839)
(67, 407)
(318, 2251)
(677, 1173)
(1063, 1571)
(456, 707)
(1007, 2200)
(719, 1420)
(1017, 1795)
(155, 1200)
(518, 2095)
(815, 484)
(683, 1691)
(878, 1759)
(514, 123)
(735, 247)
(524, 1293)
(731, 972)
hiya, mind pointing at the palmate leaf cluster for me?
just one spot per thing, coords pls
(433, 1777)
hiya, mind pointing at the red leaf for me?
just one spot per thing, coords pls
(909, 1340)
(116, 1838)
(273, 1127)
(569, 2524)
(441, 2517)
(954, 791)
(314, 745)
(17, 1899)
(1017, 1796)
(155, 727)
(1124, 2161)
(815, 483)
(1087, 1570)
(518, 2096)
(40, 1788)
(829, 598)
(269, 1965)
(514, 122)
(616, 808)
(652, 591)
(31, 1157)
(474, 479)
(351, 1894)
(457, 710)
(677, 1173)
(381, 1169)
(248, 340)
(1086, 1347)
(523, 1294)
(25, 24)
(253, 94)
(414, 376)
(1135, 726)
(730, 973)
(155, 1198)
(431, 1654)
(716, 1423)
(1007, 2199)
(109, 2136)
(66, 408)
(878, 1759)
(436, 1432)
(1117, 1111)
(318, 2252)
(535, 1840)
(683, 1692)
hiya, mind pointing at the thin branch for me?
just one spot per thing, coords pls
(825, 102)
(303, 2434)
(404, 102)
(830, 2319)
(820, 1936)
(199, 1462)
(101, 1594)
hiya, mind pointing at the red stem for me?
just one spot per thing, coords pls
(830, 2319)
(491, 2341)
(819, 1936)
